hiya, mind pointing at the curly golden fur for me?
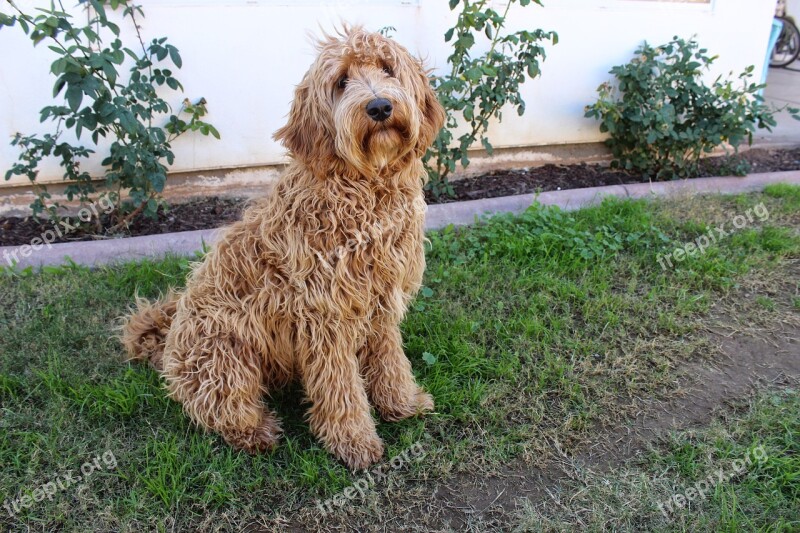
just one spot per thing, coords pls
(314, 281)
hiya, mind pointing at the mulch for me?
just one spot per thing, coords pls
(562, 177)
(212, 212)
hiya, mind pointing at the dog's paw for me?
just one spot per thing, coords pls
(254, 440)
(424, 402)
(360, 452)
(420, 403)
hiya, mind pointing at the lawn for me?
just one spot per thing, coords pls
(531, 332)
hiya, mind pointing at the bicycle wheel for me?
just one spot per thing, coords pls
(787, 47)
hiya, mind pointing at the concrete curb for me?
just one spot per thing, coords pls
(461, 213)
(100, 252)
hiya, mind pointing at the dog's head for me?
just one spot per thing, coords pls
(365, 104)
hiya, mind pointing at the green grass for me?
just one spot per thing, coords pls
(529, 329)
(677, 487)
(789, 193)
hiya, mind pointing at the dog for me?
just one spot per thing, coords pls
(285, 294)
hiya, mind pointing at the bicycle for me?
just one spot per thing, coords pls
(787, 47)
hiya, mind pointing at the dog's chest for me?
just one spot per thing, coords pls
(377, 246)
(375, 239)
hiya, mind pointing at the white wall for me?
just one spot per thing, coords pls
(793, 9)
(245, 56)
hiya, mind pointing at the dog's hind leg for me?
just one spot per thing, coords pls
(340, 413)
(218, 379)
(387, 371)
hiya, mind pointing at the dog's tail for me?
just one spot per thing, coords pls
(145, 329)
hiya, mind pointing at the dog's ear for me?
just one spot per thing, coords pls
(432, 114)
(304, 134)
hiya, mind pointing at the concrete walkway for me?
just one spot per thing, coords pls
(783, 88)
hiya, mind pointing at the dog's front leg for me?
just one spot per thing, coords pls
(390, 381)
(340, 413)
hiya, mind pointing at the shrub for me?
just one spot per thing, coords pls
(477, 89)
(661, 117)
(98, 103)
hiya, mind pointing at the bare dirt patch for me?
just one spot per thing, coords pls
(747, 363)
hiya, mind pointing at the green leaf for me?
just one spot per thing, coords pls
(59, 85)
(487, 146)
(449, 34)
(111, 73)
(474, 74)
(466, 41)
(131, 53)
(127, 122)
(74, 97)
(429, 358)
(6, 20)
(469, 112)
(175, 56)
(160, 52)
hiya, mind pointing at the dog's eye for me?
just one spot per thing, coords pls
(342, 83)
(388, 70)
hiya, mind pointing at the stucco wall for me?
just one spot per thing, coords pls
(245, 56)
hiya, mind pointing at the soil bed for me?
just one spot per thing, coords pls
(212, 212)
(562, 177)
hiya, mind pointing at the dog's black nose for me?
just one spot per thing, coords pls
(379, 109)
